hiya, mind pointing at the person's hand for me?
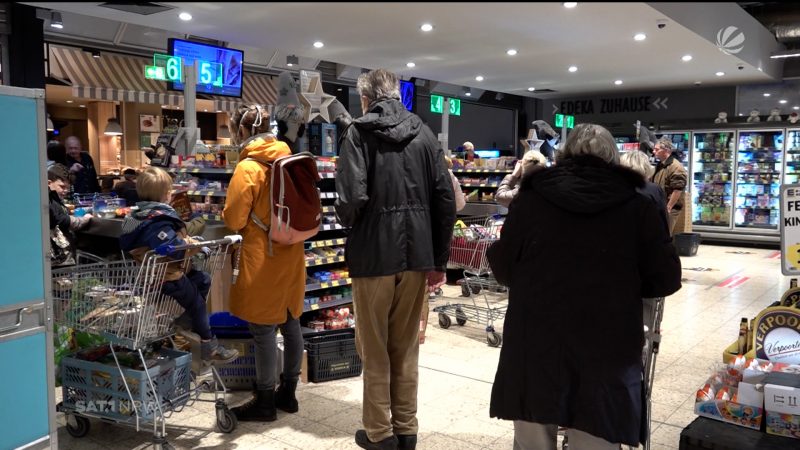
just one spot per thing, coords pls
(77, 167)
(88, 217)
(517, 173)
(436, 280)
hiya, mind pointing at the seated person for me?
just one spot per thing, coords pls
(126, 189)
(156, 223)
(62, 224)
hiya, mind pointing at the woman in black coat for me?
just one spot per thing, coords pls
(573, 334)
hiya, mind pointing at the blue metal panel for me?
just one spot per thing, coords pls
(23, 393)
(21, 268)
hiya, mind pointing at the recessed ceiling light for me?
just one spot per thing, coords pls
(318, 44)
(783, 102)
(82, 106)
(205, 110)
(767, 94)
(410, 64)
(511, 52)
(531, 89)
(165, 106)
(56, 21)
(760, 69)
(479, 78)
(720, 74)
(618, 82)
(185, 16)
(639, 37)
(468, 94)
(219, 111)
(426, 27)
(573, 68)
(741, 114)
(339, 89)
(70, 101)
(795, 108)
(570, 4)
(686, 58)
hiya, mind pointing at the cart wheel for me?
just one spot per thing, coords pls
(81, 427)
(476, 290)
(444, 321)
(464, 290)
(494, 339)
(226, 420)
(461, 318)
(439, 292)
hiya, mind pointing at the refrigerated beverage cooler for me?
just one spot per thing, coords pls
(791, 171)
(758, 179)
(712, 178)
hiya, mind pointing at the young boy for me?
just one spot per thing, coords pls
(62, 224)
(154, 224)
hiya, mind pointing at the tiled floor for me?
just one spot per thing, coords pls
(457, 369)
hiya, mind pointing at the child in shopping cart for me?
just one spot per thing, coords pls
(155, 224)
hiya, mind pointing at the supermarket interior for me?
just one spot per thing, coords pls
(103, 101)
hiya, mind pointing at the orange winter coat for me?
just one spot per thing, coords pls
(267, 286)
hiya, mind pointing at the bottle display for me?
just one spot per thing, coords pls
(712, 177)
(792, 172)
(758, 179)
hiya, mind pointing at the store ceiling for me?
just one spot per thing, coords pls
(468, 39)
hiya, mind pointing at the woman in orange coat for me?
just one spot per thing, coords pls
(269, 290)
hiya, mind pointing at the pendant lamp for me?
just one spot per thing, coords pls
(113, 128)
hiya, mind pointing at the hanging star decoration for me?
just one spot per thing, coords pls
(532, 142)
(315, 101)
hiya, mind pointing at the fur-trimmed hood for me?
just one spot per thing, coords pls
(584, 184)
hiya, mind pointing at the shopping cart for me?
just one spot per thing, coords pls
(653, 313)
(136, 379)
(471, 239)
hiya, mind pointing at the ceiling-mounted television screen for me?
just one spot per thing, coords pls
(223, 76)
(407, 94)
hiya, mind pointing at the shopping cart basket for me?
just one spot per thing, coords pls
(653, 313)
(121, 301)
(472, 237)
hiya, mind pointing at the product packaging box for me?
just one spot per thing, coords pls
(735, 412)
(782, 404)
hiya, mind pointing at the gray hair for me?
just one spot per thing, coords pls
(639, 162)
(666, 143)
(379, 83)
(591, 139)
(534, 157)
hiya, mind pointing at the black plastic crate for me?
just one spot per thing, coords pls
(332, 356)
(687, 243)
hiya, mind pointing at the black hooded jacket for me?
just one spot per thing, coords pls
(395, 192)
(579, 250)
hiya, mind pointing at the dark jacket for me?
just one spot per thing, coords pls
(153, 225)
(395, 192)
(671, 176)
(656, 195)
(579, 250)
(85, 181)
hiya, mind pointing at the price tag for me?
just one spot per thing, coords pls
(315, 307)
(195, 171)
(325, 285)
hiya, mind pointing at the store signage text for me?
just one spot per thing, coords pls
(561, 121)
(437, 105)
(170, 68)
(790, 229)
(778, 335)
(612, 105)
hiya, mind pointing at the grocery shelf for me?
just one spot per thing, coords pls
(323, 305)
(202, 170)
(711, 224)
(714, 161)
(757, 225)
(323, 261)
(481, 185)
(329, 284)
(206, 193)
(326, 243)
(740, 183)
(758, 173)
(489, 171)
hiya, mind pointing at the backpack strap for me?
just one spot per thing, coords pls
(258, 222)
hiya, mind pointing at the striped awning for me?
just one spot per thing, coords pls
(258, 89)
(111, 78)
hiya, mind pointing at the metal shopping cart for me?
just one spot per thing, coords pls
(653, 313)
(471, 238)
(139, 377)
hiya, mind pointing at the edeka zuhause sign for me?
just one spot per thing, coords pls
(640, 103)
(778, 335)
(790, 229)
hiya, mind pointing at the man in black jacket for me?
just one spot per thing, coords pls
(396, 194)
(81, 166)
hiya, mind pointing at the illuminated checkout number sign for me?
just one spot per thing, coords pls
(170, 68)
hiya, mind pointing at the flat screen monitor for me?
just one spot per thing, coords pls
(407, 94)
(227, 83)
(488, 153)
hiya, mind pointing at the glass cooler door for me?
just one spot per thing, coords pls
(712, 178)
(758, 179)
(791, 173)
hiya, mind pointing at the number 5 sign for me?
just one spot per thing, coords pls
(170, 68)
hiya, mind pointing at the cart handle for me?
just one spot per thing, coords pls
(167, 249)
